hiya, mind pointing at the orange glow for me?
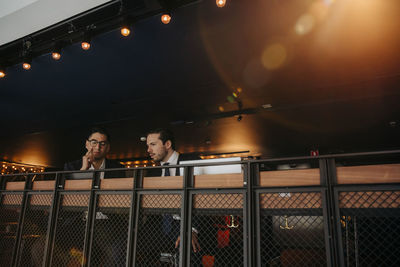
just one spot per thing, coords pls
(56, 55)
(26, 66)
(2, 74)
(125, 31)
(220, 3)
(165, 18)
(85, 45)
(304, 24)
(274, 56)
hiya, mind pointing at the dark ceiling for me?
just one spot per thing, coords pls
(332, 78)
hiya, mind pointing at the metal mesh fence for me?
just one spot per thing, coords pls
(370, 228)
(292, 229)
(70, 230)
(158, 230)
(219, 220)
(110, 230)
(9, 215)
(34, 230)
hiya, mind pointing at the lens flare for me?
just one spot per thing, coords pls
(274, 56)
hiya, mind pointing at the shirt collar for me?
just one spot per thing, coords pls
(173, 160)
(102, 166)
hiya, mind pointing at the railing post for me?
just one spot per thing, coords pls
(49, 245)
(328, 180)
(90, 220)
(137, 177)
(28, 186)
(250, 179)
(186, 218)
(138, 184)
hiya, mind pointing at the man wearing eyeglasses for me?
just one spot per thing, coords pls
(109, 247)
(98, 146)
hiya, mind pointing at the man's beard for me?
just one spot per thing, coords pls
(162, 156)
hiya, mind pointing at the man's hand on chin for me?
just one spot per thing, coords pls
(87, 160)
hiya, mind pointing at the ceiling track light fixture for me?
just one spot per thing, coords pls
(87, 37)
(26, 54)
(56, 54)
(126, 27)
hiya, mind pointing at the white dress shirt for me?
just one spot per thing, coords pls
(102, 167)
(173, 160)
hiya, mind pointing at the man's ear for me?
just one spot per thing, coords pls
(168, 144)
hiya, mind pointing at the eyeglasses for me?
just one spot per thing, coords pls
(94, 142)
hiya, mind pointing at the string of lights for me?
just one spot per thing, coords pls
(55, 53)
(11, 168)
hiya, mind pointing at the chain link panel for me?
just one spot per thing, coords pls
(110, 231)
(9, 215)
(292, 229)
(70, 230)
(158, 230)
(219, 221)
(34, 230)
(370, 227)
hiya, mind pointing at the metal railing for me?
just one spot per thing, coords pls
(337, 210)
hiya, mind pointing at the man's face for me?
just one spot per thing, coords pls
(155, 147)
(99, 145)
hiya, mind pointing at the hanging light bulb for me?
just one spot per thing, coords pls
(56, 55)
(125, 31)
(26, 65)
(85, 45)
(166, 18)
(220, 3)
(86, 41)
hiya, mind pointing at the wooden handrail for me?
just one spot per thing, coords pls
(369, 174)
(300, 177)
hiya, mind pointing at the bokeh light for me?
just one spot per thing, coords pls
(274, 56)
(304, 24)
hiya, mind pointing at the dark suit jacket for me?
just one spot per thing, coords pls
(158, 172)
(110, 164)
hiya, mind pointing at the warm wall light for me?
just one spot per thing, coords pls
(56, 55)
(125, 31)
(2, 73)
(85, 45)
(166, 18)
(220, 3)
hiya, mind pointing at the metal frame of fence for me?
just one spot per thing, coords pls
(335, 253)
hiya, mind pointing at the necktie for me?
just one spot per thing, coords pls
(166, 173)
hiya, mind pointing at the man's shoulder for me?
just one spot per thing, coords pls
(73, 165)
(184, 157)
(111, 164)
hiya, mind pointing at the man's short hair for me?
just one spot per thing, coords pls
(165, 135)
(99, 130)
